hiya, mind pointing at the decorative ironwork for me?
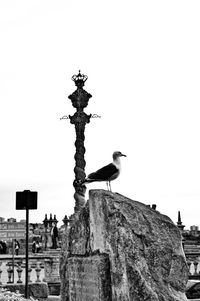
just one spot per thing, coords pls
(95, 116)
(79, 99)
(65, 117)
(79, 79)
(91, 115)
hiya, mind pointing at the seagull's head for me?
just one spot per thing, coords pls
(117, 155)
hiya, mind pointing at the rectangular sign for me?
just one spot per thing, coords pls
(26, 200)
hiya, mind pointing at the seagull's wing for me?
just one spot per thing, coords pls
(103, 174)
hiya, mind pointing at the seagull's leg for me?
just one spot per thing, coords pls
(110, 186)
(107, 185)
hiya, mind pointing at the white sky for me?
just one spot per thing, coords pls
(142, 59)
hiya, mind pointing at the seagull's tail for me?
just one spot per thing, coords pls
(87, 181)
(81, 182)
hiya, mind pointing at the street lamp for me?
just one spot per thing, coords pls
(79, 99)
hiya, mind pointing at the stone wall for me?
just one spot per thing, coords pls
(143, 249)
(38, 291)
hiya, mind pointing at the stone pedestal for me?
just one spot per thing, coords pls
(52, 266)
(89, 278)
(52, 275)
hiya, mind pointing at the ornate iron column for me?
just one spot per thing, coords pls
(79, 99)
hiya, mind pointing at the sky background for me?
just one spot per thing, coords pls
(142, 59)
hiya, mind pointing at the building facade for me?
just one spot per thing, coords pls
(39, 233)
(11, 229)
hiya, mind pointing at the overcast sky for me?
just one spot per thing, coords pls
(142, 59)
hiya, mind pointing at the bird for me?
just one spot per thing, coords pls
(107, 173)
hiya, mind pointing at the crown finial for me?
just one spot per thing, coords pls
(79, 79)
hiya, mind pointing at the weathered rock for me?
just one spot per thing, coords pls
(38, 291)
(74, 241)
(64, 287)
(144, 248)
(89, 278)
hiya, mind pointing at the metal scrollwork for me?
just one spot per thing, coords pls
(65, 117)
(95, 116)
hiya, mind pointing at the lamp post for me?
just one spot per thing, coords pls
(79, 99)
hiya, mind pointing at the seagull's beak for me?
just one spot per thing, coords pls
(122, 155)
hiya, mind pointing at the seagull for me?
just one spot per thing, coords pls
(107, 173)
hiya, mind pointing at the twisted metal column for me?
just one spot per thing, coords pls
(79, 99)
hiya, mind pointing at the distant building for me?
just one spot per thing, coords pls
(11, 220)
(2, 219)
(40, 233)
(191, 238)
(191, 246)
(11, 229)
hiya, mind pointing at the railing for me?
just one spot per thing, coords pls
(194, 268)
(193, 262)
(12, 270)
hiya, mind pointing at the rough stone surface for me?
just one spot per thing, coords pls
(52, 266)
(144, 248)
(38, 291)
(64, 285)
(89, 278)
(75, 241)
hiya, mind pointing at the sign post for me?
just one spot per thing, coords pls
(26, 200)
(13, 259)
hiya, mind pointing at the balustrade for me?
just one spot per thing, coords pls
(19, 271)
(0, 273)
(10, 272)
(13, 271)
(194, 268)
(38, 270)
(42, 268)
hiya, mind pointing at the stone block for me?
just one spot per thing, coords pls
(89, 278)
(54, 288)
(52, 264)
(38, 291)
